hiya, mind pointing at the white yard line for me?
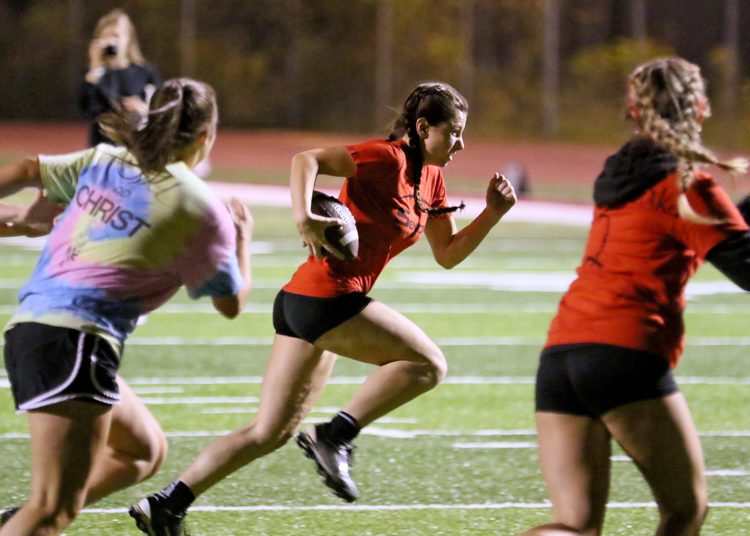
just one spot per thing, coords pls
(445, 341)
(341, 380)
(356, 380)
(394, 507)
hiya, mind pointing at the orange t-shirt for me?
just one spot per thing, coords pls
(638, 259)
(381, 198)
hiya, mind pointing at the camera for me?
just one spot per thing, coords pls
(110, 50)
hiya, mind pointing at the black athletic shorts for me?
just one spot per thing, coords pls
(49, 364)
(592, 379)
(307, 318)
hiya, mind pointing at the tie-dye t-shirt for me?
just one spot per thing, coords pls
(124, 245)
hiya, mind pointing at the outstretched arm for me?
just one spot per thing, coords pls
(449, 247)
(15, 177)
(34, 219)
(306, 167)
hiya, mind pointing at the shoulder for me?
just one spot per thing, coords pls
(708, 198)
(380, 151)
(196, 195)
(144, 70)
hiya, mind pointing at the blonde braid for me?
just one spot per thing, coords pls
(667, 99)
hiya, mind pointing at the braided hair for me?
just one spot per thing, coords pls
(437, 102)
(180, 111)
(667, 100)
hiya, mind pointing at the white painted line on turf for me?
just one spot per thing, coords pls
(348, 380)
(158, 390)
(395, 507)
(394, 433)
(496, 445)
(445, 341)
(196, 400)
(727, 472)
(535, 281)
(413, 308)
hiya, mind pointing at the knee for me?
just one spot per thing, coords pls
(158, 451)
(679, 519)
(436, 368)
(266, 438)
(560, 529)
(54, 515)
(154, 452)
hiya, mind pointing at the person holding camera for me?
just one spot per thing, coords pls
(118, 76)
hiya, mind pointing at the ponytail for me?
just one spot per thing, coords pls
(180, 110)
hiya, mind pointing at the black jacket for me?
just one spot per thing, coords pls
(96, 99)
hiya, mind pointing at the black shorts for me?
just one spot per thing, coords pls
(49, 364)
(592, 379)
(307, 318)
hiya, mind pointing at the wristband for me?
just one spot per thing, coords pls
(98, 72)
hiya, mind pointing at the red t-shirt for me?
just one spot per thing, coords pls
(381, 199)
(638, 259)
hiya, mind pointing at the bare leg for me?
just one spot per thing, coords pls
(66, 442)
(409, 362)
(294, 379)
(662, 440)
(575, 457)
(135, 449)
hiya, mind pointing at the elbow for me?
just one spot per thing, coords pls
(230, 314)
(302, 158)
(229, 311)
(447, 263)
(231, 307)
(30, 173)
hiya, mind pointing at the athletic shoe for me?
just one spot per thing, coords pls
(333, 461)
(155, 520)
(7, 513)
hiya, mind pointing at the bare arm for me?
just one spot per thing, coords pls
(449, 247)
(15, 177)
(34, 219)
(231, 306)
(306, 167)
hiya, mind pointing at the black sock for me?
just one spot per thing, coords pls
(177, 497)
(343, 428)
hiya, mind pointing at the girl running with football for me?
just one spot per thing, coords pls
(606, 369)
(395, 190)
(135, 219)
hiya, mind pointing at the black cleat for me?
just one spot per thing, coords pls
(333, 461)
(155, 520)
(7, 513)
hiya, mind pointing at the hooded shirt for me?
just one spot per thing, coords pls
(640, 254)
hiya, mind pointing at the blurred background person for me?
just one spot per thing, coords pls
(118, 75)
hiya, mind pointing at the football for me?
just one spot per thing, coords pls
(345, 236)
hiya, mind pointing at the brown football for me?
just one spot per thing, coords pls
(345, 236)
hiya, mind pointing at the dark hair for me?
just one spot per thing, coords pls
(179, 111)
(437, 102)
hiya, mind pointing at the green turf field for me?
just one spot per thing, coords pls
(459, 460)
